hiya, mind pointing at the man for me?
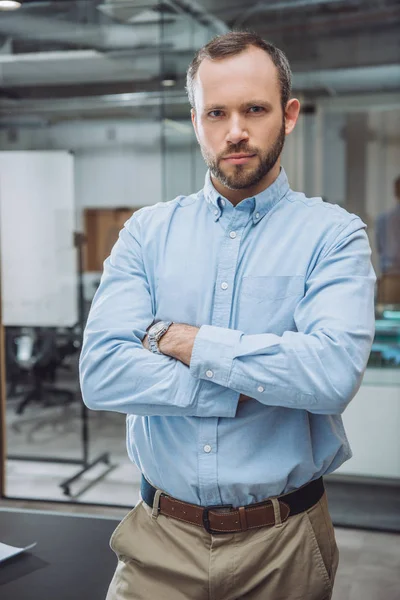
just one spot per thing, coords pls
(388, 236)
(233, 410)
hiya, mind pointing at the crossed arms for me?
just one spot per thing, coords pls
(317, 368)
(178, 343)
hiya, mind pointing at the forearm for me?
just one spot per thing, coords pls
(290, 371)
(178, 343)
(294, 370)
(118, 374)
(317, 366)
(319, 373)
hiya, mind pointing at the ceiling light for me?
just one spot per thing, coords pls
(9, 4)
(168, 82)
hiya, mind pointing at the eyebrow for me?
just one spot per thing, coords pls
(243, 106)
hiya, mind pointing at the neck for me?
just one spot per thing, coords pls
(236, 196)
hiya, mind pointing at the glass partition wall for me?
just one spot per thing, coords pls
(121, 121)
(79, 153)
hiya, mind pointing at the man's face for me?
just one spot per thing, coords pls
(238, 118)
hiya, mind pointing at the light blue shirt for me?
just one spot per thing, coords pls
(282, 289)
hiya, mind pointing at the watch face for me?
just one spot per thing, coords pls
(157, 328)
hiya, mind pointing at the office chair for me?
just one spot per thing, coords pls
(34, 354)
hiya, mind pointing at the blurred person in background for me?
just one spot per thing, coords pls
(388, 236)
(387, 232)
(232, 327)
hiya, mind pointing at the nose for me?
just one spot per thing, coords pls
(237, 131)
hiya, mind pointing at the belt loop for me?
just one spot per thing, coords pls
(243, 518)
(277, 512)
(156, 504)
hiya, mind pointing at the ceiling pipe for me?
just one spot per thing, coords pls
(320, 23)
(330, 25)
(89, 103)
(356, 81)
(45, 29)
(280, 6)
(195, 10)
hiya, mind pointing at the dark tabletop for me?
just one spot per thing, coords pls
(71, 561)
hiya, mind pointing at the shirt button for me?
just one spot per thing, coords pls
(224, 285)
(207, 448)
(260, 388)
(209, 373)
(216, 212)
(257, 215)
(232, 234)
(222, 202)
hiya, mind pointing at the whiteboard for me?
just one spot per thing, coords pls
(38, 259)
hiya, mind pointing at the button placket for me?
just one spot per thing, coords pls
(207, 449)
(207, 461)
(227, 267)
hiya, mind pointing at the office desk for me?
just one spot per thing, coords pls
(71, 561)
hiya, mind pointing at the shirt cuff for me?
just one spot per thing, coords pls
(213, 353)
(216, 401)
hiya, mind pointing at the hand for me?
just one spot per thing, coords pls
(177, 342)
(179, 345)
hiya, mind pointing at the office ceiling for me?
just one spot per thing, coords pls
(101, 54)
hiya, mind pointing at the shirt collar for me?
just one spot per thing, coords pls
(259, 204)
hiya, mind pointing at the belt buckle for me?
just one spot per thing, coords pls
(206, 522)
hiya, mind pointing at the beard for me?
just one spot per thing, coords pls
(242, 176)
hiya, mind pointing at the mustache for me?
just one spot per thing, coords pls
(238, 149)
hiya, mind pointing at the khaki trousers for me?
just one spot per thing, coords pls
(162, 558)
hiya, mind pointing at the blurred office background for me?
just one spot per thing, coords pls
(94, 124)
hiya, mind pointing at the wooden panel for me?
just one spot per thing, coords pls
(102, 226)
(389, 289)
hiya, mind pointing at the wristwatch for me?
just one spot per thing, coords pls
(155, 333)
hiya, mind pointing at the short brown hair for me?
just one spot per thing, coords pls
(235, 42)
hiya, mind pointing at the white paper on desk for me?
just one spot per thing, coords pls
(9, 551)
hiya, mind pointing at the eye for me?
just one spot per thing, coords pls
(214, 114)
(256, 109)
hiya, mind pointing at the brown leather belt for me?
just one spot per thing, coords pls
(229, 519)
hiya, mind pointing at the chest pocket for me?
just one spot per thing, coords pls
(267, 303)
(275, 287)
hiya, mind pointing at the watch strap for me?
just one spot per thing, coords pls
(154, 338)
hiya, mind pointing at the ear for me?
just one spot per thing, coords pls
(292, 112)
(194, 123)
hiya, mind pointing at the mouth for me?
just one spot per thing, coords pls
(238, 159)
